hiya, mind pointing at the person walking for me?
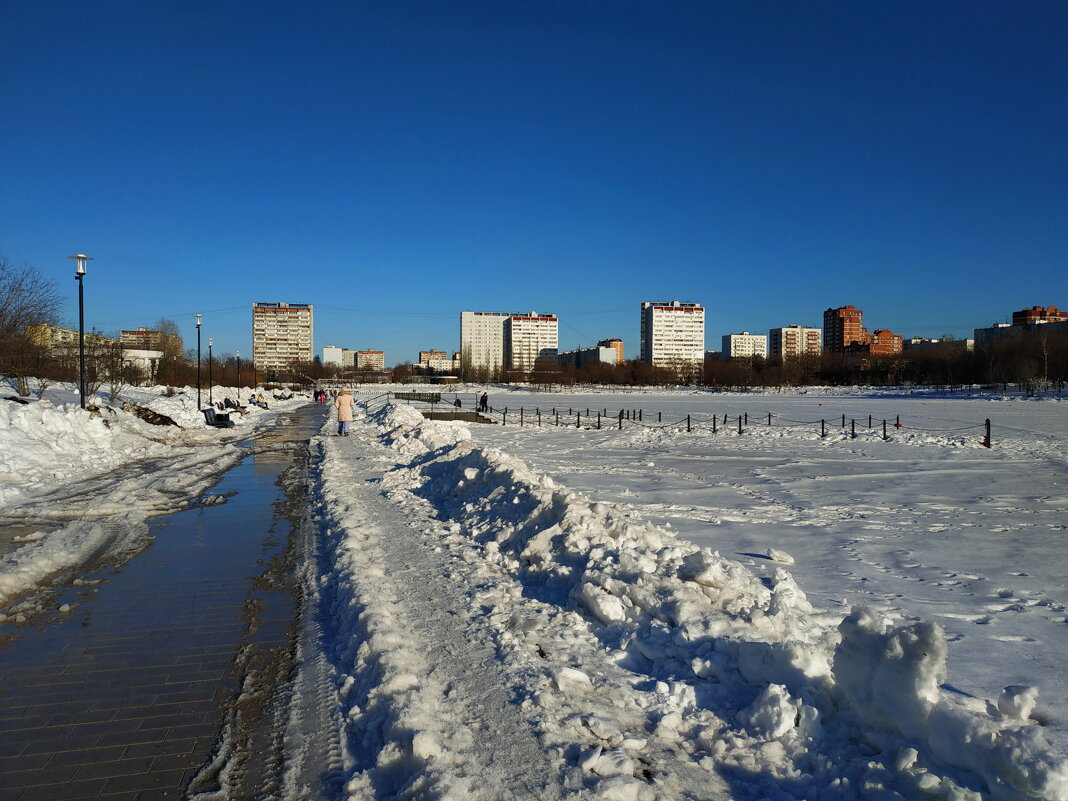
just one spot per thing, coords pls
(344, 403)
(483, 403)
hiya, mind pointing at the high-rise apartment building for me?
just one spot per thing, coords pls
(744, 345)
(673, 336)
(494, 341)
(794, 341)
(282, 335)
(482, 340)
(842, 327)
(530, 337)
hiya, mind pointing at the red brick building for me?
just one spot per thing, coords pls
(842, 327)
(1038, 314)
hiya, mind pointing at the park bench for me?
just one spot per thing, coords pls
(217, 419)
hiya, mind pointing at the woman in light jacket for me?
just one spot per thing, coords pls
(344, 404)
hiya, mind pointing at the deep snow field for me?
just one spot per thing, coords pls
(928, 525)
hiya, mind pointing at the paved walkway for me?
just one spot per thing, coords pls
(124, 698)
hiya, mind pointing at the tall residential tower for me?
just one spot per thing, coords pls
(673, 336)
(282, 335)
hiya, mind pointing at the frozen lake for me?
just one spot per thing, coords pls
(928, 525)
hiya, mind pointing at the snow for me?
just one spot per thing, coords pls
(655, 613)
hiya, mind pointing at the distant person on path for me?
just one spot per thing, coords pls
(457, 403)
(483, 403)
(343, 404)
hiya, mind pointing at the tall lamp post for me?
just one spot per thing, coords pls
(79, 271)
(198, 362)
(210, 382)
(238, 375)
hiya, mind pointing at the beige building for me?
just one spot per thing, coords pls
(795, 340)
(673, 336)
(282, 335)
(370, 360)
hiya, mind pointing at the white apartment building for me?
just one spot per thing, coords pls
(795, 340)
(744, 345)
(673, 336)
(495, 341)
(338, 357)
(282, 335)
(530, 337)
(482, 340)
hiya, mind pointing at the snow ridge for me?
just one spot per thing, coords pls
(745, 677)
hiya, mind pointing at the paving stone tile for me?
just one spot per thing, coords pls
(106, 754)
(147, 781)
(70, 791)
(174, 747)
(121, 767)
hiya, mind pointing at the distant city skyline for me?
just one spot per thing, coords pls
(404, 162)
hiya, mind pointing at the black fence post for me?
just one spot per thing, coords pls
(539, 418)
(884, 431)
(658, 417)
(739, 424)
(639, 415)
(747, 418)
(986, 439)
(823, 428)
(843, 421)
(687, 424)
(598, 421)
(520, 416)
(504, 417)
(715, 417)
(869, 421)
(578, 420)
(769, 418)
(853, 429)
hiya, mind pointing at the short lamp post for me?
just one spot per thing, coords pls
(239, 374)
(198, 362)
(79, 272)
(210, 382)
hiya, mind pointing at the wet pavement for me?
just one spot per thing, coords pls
(126, 696)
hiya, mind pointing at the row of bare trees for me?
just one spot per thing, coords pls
(1031, 358)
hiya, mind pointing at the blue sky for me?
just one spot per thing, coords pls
(396, 163)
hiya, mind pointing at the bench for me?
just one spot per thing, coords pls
(217, 419)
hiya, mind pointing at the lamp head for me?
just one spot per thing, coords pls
(80, 259)
(198, 320)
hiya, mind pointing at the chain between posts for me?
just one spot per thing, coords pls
(596, 418)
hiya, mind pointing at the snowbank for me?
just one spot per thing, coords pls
(88, 481)
(752, 681)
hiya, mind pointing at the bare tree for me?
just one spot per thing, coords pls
(26, 298)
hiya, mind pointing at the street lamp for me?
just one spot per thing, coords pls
(239, 375)
(80, 259)
(198, 362)
(210, 382)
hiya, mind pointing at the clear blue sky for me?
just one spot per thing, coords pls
(395, 163)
